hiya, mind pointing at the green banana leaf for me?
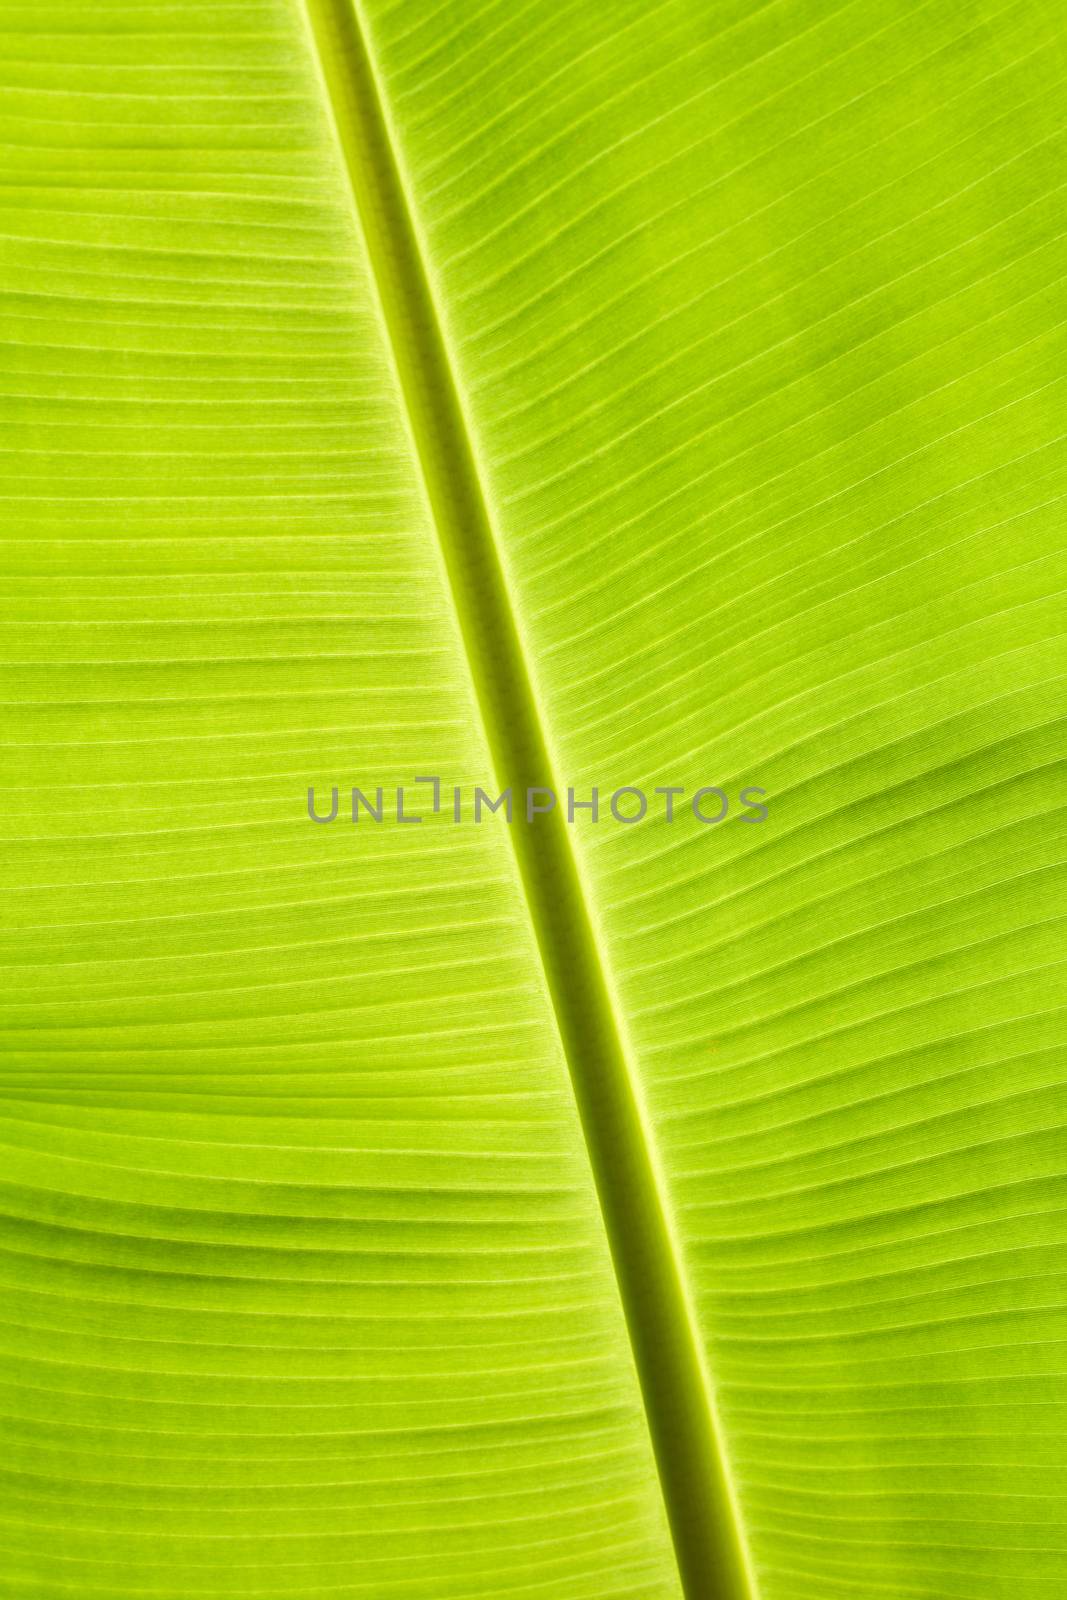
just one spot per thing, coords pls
(543, 396)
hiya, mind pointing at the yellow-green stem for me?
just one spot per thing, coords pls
(682, 1420)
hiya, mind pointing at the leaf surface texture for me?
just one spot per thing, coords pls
(753, 315)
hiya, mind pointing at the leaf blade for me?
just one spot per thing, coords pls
(305, 1288)
(758, 312)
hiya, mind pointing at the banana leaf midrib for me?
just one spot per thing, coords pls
(676, 1388)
